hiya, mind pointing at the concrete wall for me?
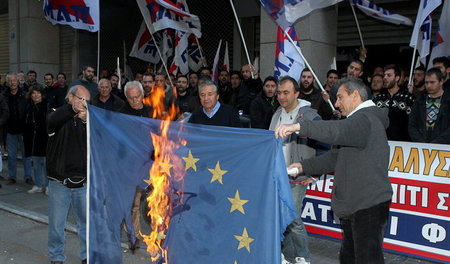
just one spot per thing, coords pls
(317, 34)
(34, 42)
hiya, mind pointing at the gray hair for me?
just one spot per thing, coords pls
(133, 84)
(354, 84)
(72, 90)
(207, 83)
(9, 75)
(104, 80)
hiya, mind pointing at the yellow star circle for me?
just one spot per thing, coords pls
(244, 240)
(237, 203)
(217, 173)
(190, 161)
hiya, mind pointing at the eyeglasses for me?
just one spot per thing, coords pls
(82, 99)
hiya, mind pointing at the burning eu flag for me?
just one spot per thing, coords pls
(232, 205)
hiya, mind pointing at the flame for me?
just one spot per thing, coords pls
(166, 167)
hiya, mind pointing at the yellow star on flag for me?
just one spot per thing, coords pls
(244, 240)
(165, 167)
(235, 262)
(190, 161)
(217, 173)
(237, 203)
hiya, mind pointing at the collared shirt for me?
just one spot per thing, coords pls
(367, 103)
(213, 112)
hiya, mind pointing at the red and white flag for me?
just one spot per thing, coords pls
(372, 10)
(162, 14)
(181, 52)
(215, 69)
(144, 47)
(79, 14)
(195, 55)
(441, 46)
(421, 37)
(296, 9)
(226, 58)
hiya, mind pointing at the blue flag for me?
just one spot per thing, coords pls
(236, 203)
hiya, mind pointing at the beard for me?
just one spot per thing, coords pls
(389, 85)
(419, 84)
(306, 89)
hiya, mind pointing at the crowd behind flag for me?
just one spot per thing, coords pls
(233, 204)
(372, 10)
(84, 14)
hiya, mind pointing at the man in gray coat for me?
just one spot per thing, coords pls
(362, 191)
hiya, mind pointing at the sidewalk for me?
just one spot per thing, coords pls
(14, 199)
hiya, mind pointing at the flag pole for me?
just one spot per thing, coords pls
(357, 24)
(307, 65)
(412, 66)
(119, 86)
(98, 54)
(200, 49)
(242, 35)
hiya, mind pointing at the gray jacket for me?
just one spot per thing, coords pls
(360, 162)
(301, 148)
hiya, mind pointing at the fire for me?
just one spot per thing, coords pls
(166, 167)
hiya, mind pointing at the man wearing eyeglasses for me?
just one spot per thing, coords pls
(67, 169)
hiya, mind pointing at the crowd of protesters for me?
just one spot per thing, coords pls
(418, 112)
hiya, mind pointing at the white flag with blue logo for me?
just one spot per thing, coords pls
(422, 28)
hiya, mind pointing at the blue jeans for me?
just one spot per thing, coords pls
(13, 142)
(39, 171)
(295, 243)
(60, 199)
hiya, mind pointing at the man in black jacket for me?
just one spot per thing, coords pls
(264, 105)
(4, 115)
(67, 170)
(105, 99)
(212, 111)
(429, 120)
(16, 103)
(134, 93)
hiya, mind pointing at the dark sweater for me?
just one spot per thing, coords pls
(225, 116)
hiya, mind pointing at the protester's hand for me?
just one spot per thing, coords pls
(325, 96)
(296, 165)
(410, 88)
(337, 114)
(79, 105)
(286, 130)
(307, 181)
(254, 72)
(82, 114)
(362, 54)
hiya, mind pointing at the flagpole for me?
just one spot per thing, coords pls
(119, 74)
(357, 24)
(242, 35)
(88, 181)
(200, 49)
(307, 65)
(412, 66)
(98, 54)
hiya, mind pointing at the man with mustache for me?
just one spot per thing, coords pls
(309, 93)
(398, 101)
